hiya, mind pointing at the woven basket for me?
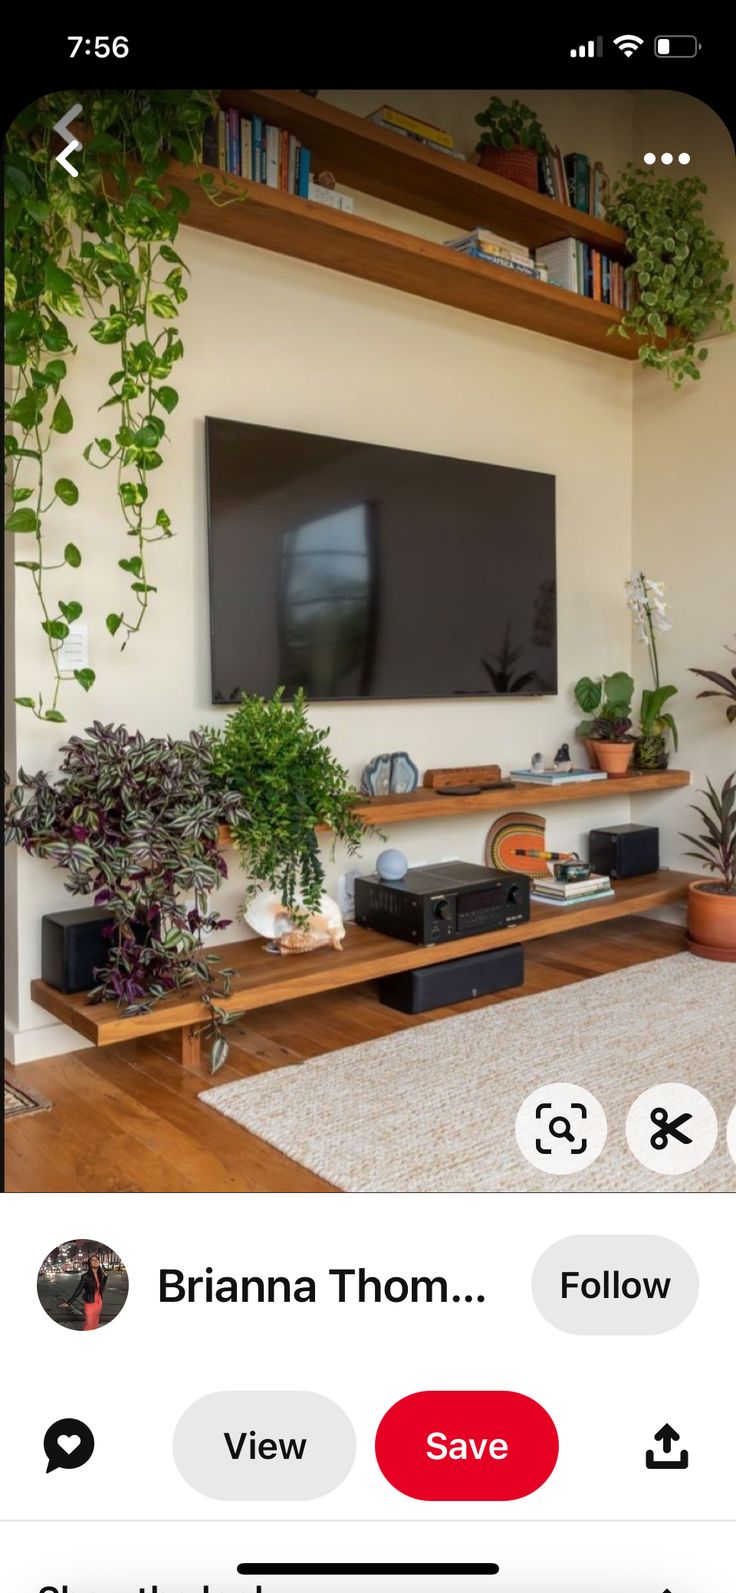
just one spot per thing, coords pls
(516, 165)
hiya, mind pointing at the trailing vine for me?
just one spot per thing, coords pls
(97, 247)
(679, 269)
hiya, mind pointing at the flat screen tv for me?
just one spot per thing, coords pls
(359, 571)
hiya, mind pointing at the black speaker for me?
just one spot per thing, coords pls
(623, 850)
(444, 983)
(72, 947)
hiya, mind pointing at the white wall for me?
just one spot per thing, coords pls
(279, 342)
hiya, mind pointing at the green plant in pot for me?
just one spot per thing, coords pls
(614, 744)
(711, 911)
(512, 141)
(603, 700)
(134, 821)
(648, 605)
(679, 268)
(269, 750)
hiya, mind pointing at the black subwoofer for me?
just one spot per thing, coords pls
(444, 983)
(72, 947)
(623, 850)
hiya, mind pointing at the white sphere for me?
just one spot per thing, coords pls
(391, 864)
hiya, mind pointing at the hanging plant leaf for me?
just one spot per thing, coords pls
(72, 556)
(66, 490)
(61, 419)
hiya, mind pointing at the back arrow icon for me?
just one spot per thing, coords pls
(62, 128)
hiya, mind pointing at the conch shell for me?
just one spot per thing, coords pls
(267, 915)
(320, 933)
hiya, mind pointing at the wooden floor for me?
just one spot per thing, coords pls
(127, 1117)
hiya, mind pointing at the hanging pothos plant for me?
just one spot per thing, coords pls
(97, 246)
(678, 267)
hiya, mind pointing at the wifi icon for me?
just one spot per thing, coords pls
(628, 43)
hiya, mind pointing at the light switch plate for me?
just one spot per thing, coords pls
(73, 653)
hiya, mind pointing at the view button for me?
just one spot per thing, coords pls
(467, 1445)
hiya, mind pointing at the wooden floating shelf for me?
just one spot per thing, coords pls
(407, 174)
(427, 804)
(263, 981)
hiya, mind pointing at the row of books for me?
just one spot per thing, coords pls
(246, 146)
(561, 893)
(556, 776)
(582, 269)
(575, 180)
(414, 127)
(481, 244)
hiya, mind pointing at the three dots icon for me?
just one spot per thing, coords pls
(650, 159)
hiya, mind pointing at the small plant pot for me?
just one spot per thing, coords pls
(591, 748)
(516, 165)
(711, 922)
(614, 757)
(650, 752)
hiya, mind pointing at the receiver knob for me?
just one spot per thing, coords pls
(512, 894)
(441, 907)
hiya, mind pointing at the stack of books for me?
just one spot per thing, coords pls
(556, 776)
(481, 244)
(582, 269)
(561, 893)
(575, 180)
(246, 146)
(415, 128)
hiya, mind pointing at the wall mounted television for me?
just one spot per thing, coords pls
(358, 571)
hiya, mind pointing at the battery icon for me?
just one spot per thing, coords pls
(676, 46)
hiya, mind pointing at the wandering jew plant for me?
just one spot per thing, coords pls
(134, 821)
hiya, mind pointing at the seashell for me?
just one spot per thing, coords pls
(300, 940)
(267, 915)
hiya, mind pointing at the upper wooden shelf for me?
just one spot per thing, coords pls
(428, 804)
(403, 172)
(410, 175)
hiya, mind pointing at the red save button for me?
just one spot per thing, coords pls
(489, 1444)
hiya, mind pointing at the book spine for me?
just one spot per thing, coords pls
(435, 135)
(283, 160)
(246, 152)
(257, 143)
(303, 178)
(233, 142)
(294, 147)
(273, 147)
(527, 269)
(222, 141)
(209, 142)
(595, 260)
(605, 279)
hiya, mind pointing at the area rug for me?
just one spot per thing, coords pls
(433, 1108)
(20, 1103)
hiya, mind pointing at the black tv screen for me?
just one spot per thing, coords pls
(359, 571)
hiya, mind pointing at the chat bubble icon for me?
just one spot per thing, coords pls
(68, 1444)
(264, 1445)
(615, 1283)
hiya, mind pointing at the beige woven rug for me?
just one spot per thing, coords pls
(433, 1108)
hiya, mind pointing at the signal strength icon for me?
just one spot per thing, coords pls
(628, 43)
(593, 47)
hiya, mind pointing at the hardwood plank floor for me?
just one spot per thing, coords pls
(127, 1117)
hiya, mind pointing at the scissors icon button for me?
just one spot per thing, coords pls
(668, 1128)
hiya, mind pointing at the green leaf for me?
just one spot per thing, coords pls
(11, 288)
(132, 566)
(71, 611)
(132, 494)
(22, 520)
(588, 694)
(72, 556)
(21, 494)
(112, 251)
(66, 490)
(167, 397)
(25, 702)
(55, 715)
(56, 629)
(110, 330)
(113, 623)
(56, 280)
(86, 678)
(141, 586)
(54, 372)
(61, 419)
(27, 564)
(163, 306)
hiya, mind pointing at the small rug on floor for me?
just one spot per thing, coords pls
(433, 1108)
(20, 1103)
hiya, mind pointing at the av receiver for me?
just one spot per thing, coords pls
(444, 901)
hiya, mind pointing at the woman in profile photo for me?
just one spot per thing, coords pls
(91, 1286)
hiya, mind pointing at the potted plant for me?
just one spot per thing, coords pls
(512, 141)
(726, 687)
(607, 698)
(648, 604)
(711, 908)
(134, 821)
(678, 267)
(269, 750)
(614, 745)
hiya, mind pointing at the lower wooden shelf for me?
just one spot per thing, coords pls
(263, 981)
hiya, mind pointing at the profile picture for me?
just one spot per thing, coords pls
(82, 1285)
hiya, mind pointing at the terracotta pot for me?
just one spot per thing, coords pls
(516, 165)
(711, 922)
(592, 752)
(614, 757)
